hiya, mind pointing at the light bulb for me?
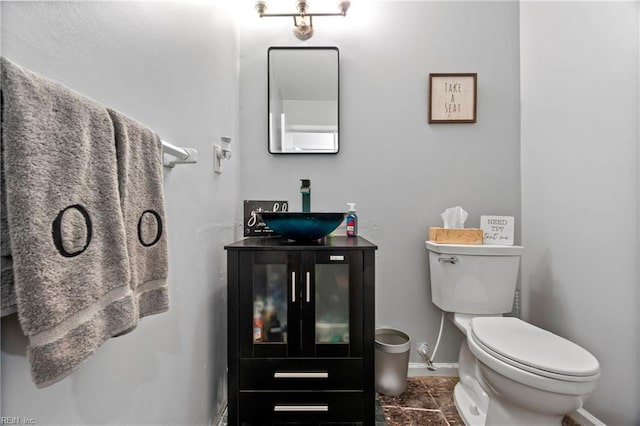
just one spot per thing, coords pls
(261, 6)
(343, 6)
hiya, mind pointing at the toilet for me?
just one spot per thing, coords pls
(511, 372)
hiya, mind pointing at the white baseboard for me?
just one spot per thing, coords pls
(442, 369)
(585, 418)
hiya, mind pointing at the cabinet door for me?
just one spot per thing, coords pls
(301, 304)
(332, 304)
(269, 304)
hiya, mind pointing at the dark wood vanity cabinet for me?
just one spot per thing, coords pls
(301, 331)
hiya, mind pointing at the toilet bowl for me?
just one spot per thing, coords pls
(532, 376)
(511, 372)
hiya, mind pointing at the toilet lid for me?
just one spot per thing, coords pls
(537, 350)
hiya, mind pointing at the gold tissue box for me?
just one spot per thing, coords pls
(455, 235)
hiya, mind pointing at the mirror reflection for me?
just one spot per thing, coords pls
(303, 100)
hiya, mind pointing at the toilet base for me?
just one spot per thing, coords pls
(470, 398)
(467, 408)
(526, 405)
(502, 412)
(478, 407)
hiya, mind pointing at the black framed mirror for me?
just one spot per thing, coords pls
(304, 100)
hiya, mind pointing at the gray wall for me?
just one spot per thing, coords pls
(401, 171)
(581, 189)
(173, 66)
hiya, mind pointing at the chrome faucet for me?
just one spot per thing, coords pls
(305, 190)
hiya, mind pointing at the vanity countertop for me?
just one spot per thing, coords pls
(341, 242)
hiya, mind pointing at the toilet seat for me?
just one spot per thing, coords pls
(532, 349)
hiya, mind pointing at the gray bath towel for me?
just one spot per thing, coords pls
(66, 229)
(139, 152)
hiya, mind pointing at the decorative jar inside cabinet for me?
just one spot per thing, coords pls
(301, 331)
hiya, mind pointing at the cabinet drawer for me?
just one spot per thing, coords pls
(301, 373)
(300, 407)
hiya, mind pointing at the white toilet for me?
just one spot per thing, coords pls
(511, 372)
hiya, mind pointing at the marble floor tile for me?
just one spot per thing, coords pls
(438, 384)
(416, 396)
(427, 401)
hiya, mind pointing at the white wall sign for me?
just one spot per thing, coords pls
(497, 229)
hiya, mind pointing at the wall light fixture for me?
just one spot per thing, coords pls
(302, 21)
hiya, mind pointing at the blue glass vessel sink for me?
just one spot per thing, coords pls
(305, 226)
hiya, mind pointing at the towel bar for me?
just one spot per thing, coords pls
(182, 155)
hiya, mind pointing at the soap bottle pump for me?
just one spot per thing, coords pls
(352, 221)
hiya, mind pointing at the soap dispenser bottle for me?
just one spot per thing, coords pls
(352, 221)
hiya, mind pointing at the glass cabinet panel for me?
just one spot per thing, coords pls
(269, 303)
(332, 303)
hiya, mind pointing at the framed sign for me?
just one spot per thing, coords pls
(452, 98)
(253, 227)
(497, 230)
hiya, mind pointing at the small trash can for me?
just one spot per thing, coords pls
(391, 361)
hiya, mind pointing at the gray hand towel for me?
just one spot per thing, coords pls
(139, 152)
(8, 304)
(66, 229)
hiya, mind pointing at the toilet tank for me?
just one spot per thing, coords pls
(473, 279)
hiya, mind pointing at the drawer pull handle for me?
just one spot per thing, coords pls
(301, 375)
(293, 408)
